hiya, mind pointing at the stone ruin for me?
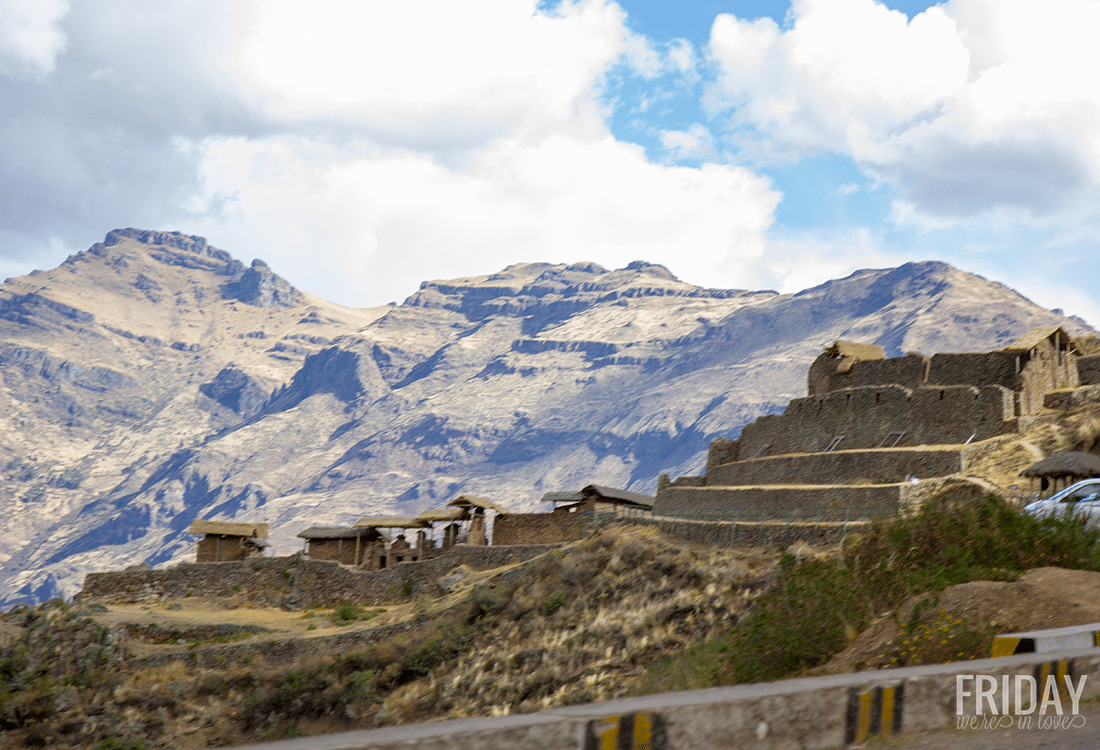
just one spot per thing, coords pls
(875, 433)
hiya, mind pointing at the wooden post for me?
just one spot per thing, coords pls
(358, 534)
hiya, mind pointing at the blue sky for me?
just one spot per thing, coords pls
(360, 148)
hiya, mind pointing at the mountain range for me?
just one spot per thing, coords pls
(154, 379)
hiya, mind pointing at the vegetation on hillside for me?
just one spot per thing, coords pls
(579, 624)
(626, 611)
(816, 607)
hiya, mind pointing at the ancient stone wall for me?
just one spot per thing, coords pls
(767, 534)
(1047, 370)
(340, 550)
(221, 548)
(536, 528)
(840, 467)
(297, 581)
(1073, 398)
(880, 417)
(988, 368)
(751, 502)
(723, 451)
(826, 375)
(1088, 369)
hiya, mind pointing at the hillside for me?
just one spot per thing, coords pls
(153, 379)
(575, 625)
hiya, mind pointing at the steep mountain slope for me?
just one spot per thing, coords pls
(143, 344)
(541, 377)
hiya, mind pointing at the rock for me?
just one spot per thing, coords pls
(261, 287)
(234, 389)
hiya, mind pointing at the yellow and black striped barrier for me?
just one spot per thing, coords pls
(1055, 639)
(643, 730)
(1061, 669)
(871, 711)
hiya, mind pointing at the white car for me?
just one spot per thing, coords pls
(1082, 498)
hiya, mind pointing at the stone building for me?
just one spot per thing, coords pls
(474, 509)
(1043, 360)
(875, 432)
(378, 554)
(224, 541)
(563, 523)
(346, 545)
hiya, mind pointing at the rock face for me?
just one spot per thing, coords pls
(138, 371)
(236, 390)
(259, 286)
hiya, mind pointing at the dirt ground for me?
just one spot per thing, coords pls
(1042, 598)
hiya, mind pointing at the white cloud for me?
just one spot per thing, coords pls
(383, 222)
(30, 39)
(694, 143)
(798, 259)
(969, 106)
(683, 59)
(434, 75)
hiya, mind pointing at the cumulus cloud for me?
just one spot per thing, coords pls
(361, 147)
(969, 106)
(426, 73)
(30, 38)
(387, 220)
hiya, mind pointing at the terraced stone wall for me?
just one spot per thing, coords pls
(910, 371)
(749, 500)
(296, 581)
(1088, 369)
(840, 467)
(880, 416)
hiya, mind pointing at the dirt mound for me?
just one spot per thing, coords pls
(1041, 598)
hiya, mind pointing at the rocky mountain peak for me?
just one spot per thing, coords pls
(172, 249)
(136, 389)
(261, 287)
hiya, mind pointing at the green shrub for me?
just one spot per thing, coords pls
(346, 612)
(815, 607)
(552, 604)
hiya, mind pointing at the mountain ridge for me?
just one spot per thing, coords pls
(222, 391)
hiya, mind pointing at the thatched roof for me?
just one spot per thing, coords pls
(562, 497)
(226, 528)
(443, 514)
(620, 496)
(854, 350)
(470, 501)
(338, 532)
(1065, 464)
(391, 522)
(1036, 336)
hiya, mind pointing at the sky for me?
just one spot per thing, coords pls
(360, 147)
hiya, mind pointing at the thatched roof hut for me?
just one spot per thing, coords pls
(1066, 468)
(444, 515)
(224, 541)
(470, 502)
(340, 532)
(1065, 464)
(1036, 336)
(228, 528)
(593, 496)
(392, 522)
(344, 544)
(856, 350)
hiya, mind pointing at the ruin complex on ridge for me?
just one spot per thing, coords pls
(874, 432)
